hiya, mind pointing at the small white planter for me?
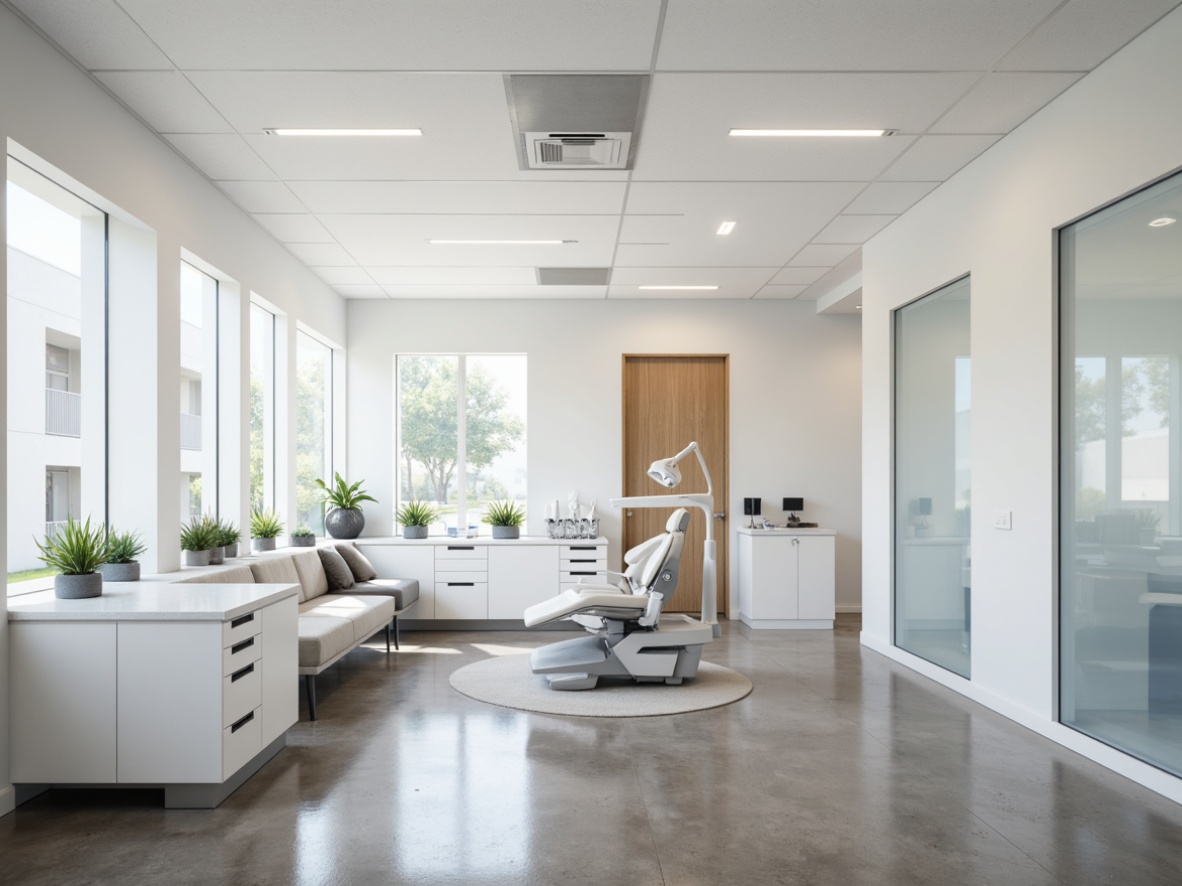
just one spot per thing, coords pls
(195, 558)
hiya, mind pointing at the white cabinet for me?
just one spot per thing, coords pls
(787, 578)
(520, 577)
(412, 561)
(461, 581)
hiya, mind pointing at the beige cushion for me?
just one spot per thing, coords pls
(362, 569)
(239, 575)
(405, 591)
(313, 581)
(367, 614)
(276, 570)
(323, 638)
(340, 576)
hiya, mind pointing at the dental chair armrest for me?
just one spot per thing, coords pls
(599, 587)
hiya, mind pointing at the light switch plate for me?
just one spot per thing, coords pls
(1003, 520)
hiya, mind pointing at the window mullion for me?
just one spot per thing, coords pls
(462, 442)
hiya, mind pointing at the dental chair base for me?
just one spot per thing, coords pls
(668, 655)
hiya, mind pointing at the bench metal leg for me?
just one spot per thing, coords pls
(310, 690)
(396, 646)
(387, 639)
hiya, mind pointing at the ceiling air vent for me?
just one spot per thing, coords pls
(584, 150)
(573, 276)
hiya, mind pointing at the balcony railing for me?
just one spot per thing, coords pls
(63, 413)
(52, 529)
(190, 431)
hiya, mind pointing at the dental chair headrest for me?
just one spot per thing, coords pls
(678, 521)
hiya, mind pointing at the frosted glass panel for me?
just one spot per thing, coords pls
(933, 478)
(1121, 572)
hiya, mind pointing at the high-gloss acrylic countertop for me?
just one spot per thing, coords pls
(138, 601)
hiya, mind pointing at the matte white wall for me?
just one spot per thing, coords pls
(53, 116)
(794, 399)
(1111, 133)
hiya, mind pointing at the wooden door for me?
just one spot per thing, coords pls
(669, 401)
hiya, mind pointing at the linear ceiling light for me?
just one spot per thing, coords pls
(677, 287)
(500, 242)
(725, 228)
(361, 132)
(1162, 222)
(813, 133)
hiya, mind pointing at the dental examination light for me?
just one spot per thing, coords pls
(666, 472)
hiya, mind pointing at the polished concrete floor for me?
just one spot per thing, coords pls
(840, 768)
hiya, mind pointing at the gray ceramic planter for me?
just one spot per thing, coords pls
(78, 587)
(414, 531)
(303, 541)
(263, 544)
(195, 558)
(344, 522)
(217, 556)
(120, 571)
(506, 532)
(231, 551)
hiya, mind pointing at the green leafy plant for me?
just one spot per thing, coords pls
(198, 535)
(265, 524)
(226, 533)
(1147, 518)
(75, 549)
(505, 513)
(416, 513)
(123, 547)
(341, 495)
(302, 532)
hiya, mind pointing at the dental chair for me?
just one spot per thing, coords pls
(628, 637)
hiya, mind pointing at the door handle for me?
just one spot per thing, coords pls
(627, 513)
(720, 516)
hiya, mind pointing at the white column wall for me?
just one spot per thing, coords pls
(1110, 134)
(7, 794)
(794, 394)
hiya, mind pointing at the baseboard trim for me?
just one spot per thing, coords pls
(7, 799)
(1143, 774)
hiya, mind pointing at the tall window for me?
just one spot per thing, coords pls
(461, 433)
(199, 391)
(933, 478)
(56, 351)
(1120, 513)
(262, 408)
(313, 429)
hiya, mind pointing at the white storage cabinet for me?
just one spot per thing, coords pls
(787, 578)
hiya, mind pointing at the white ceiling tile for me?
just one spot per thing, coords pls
(1083, 33)
(321, 254)
(731, 282)
(853, 228)
(222, 156)
(908, 35)
(451, 276)
(777, 291)
(360, 290)
(1001, 101)
(495, 291)
(936, 157)
(447, 35)
(818, 256)
(485, 197)
(396, 240)
(888, 198)
(345, 277)
(294, 228)
(165, 100)
(793, 276)
(270, 196)
(98, 33)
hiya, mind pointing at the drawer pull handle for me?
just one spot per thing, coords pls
(242, 620)
(238, 675)
(586, 560)
(242, 722)
(461, 547)
(577, 572)
(582, 547)
(245, 644)
(461, 584)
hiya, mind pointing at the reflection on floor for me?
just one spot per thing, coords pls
(1157, 738)
(840, 768)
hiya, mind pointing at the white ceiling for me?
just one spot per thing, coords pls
(951, 78)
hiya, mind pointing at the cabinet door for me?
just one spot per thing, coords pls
(63, 702)
(460, 598)
(280, 664)
(519, 577)
(773, 577)
(415, 561)
(816, 572)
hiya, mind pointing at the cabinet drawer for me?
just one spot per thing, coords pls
(241, 740)
(573, 572)
(461, 601)
(461, 579)
(577, 551)
(241, 653)
(240, 628)
(242, 692)
(460, 552)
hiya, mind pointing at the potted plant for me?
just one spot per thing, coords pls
(228, 536)
(506, 518)
(415, 517)
(344, 518)
(196, 542)
(265, 527)
(303, 537)
(76, 551)
(122, 550)
(1147, 520)
(217, 551)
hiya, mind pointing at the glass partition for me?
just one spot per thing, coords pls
(1120, 604)
(933, 478)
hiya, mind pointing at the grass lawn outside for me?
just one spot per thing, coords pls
(30, 574)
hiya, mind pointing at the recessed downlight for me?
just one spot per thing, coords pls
(725, 228)
(812, 133)
(345, 132)
(677, 287)
(499, 242)
(1163, 221)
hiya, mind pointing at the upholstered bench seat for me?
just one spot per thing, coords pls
(404, 590)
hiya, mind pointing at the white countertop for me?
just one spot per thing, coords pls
(479, 540)
(780, 530)
(135, 601)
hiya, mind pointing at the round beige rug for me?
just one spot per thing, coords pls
(507, 681)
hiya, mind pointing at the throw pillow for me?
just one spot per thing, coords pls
(362, 569)
(340, 576)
